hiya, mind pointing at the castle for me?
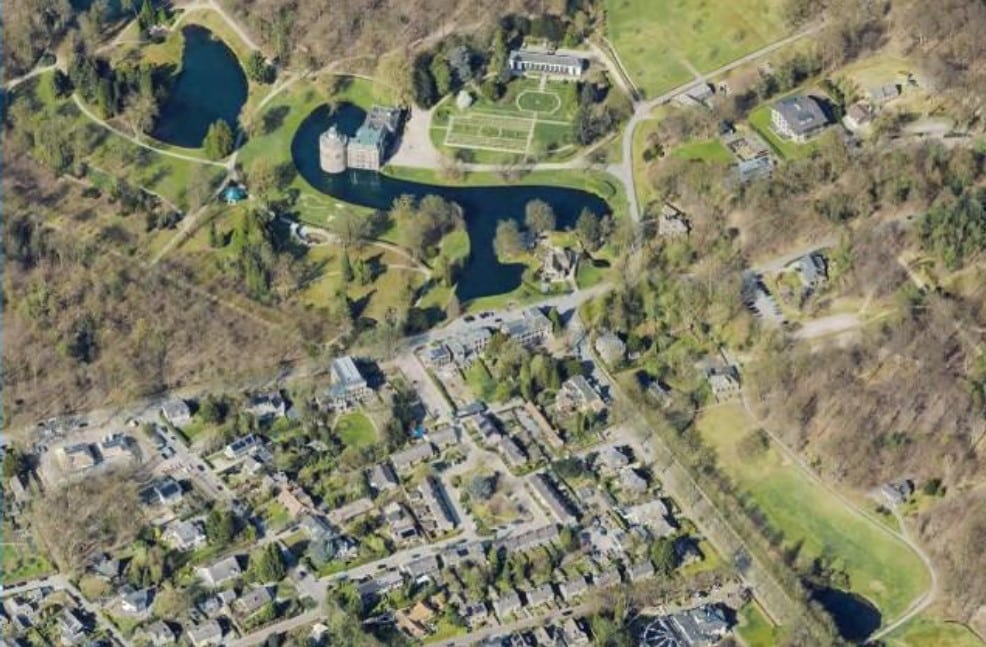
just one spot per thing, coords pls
(367, 149)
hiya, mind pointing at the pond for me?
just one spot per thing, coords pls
(855, 617)
(484, 274)
(210, 86)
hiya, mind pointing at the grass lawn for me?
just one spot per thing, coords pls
(760, 122)
(356, 430)
(880, 566)
(754, 629)
(925, 631)
(21, 562)
(654, 38)
(709, 150)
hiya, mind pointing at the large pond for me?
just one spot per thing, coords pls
(855, 617)
(210, 86)
(483, 275)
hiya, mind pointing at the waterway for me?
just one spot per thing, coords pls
(210, 86)
(483, 206)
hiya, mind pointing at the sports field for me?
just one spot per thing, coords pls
(662, 42)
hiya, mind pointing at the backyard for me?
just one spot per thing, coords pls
(355, 430)
(660, 41)
(879, 566)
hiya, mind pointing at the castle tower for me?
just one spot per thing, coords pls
(332, 151)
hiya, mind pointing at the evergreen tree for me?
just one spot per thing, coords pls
(346, 267)
(218, 142)
(442, 75)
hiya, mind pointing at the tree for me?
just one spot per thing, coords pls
(262, 179)
(267, 564)
(218, 142)
(257, 68)
(482, 488)
(442, 75)
(539, 216)
(588, 230)
(220, 527)
(662, 556)
(141, 112)
(508, 240)
(345, 266)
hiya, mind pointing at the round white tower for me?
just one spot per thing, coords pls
(332, 151)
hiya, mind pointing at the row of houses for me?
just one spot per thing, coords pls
(530, 329)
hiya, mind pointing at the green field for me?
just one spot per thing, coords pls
(709, 150)
(880, 566)
(657, 39)
(754, 629)
(356, 430)
(925, 631)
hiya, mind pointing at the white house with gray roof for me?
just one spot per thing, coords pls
(525, 61)
(798, 118)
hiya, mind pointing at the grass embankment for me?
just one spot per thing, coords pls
(880, 566)
(356, 430)
(754, 628)
(925, 631)
(655, 38)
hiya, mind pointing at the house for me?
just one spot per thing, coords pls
(573, 587)
(474, 613)
(137, 602)
(611, 459)
(506, 605)
(367, 149)
(439, 507)
(443, 438)
(348, 386)
(632, 481)
(798, 118)
(641, 570)
(530, 329)
(686, 551)
(696, 95)
(346, 513)
(116, 446)
(513, 453)
(700, 627)
(77, 457)
(572, 634)
(897, 493)
(160, 633)
(107, 567)
(223, 571)
(540, 595)
(185, 535)
(525, 61)
(530, 539)
(755, 168)
(610, 348)
(858, 115)
(243, 446)
(724, 382)
(558, 263)
(214, 605)
(671, 223)
(464, 346)
(381, 478)
(176, 412)
(252, 601)
(402, 526)
(421, 567)
(315, 526)
(266, 406)
(653, 515)
(381, 584)
(884, 93)
(551, 497)
(605, 579)
(207, 633)
(576, 394)
(71, 628)
(437, 356)
(472, 553)
(164, 490)
(812, 270)
(295, 500)
(405, 459)
(758, 299)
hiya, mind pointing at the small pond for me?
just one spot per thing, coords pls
(855, 617)
(210, 86)
(483, 275)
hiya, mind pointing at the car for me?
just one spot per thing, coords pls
(486, 315)
(201, 467)
(469, 318)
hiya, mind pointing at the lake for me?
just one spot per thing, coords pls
(210, 86)
(483, 206)
(855, 617)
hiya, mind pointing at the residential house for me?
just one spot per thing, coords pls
(472, 553)
(897, 493)
(573, 587)
(724, 382)
(858, 115)
(185, 535)
(437, 356)
(632, 481)
(550, 496)
(440, 510)
(116, 446)
(405, 459)
(611, 459)
(137, 602)
(177, 412)
(530, 329)
(381, 584)
(214, 605)
(164, 490)
(252, 601)
(402, 526)
(295, 500)
(507, 604)
(347, 513)
(605, 579)
(576, 394)
(367, 149)
(757, 298)
(754, 168)
(641, 570)
(315, 526)
(207, 633)
(421, 567)
(265, 406)
(77, 457)
(160, 633)
(557, 263)
(525, 61)
(534, 538)
(381, 478)
(513, 453)
(653, 515)
(71, 628)
(443, 438)
(812, 270)
(464, 347)
(572, 634)
(540, 595)
(884, 93)
(700, 627)
(611, 348)
(348, 386)
(798, 118)
(532, 420)
(243, 446)
(225, 570)
(672, 223)
(474, 613)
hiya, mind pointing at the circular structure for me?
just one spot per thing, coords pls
(537, 101)
(332, 151)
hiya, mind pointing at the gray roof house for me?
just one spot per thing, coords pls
(573, 587)
(137, 602)
(539, 595)
(265, 406)
(885, 92)
(160, 633)
(421, 567)
(798, 118)
(381, 477)
(632, 481)
(251, 601)
(507, 604)
(524, 541)
(348, 384)
(185, 535)
(549, 495)
(610, 348)
(812, 270)
(176, 412)
(222, 571)
(407, 458)
(523, 61)
(207, 633)
(640, 571)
